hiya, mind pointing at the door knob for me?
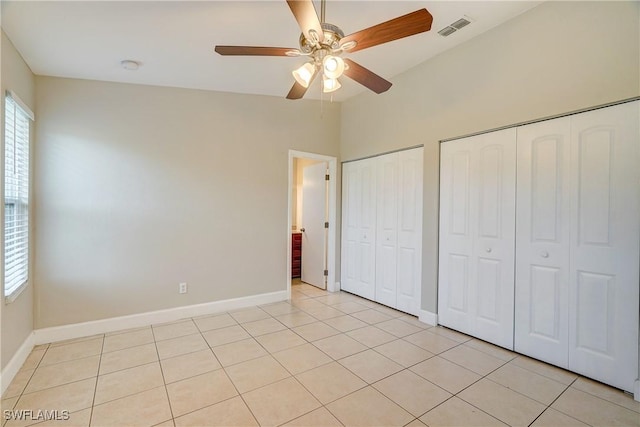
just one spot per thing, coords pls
(544, 254)
(302, 229)
(488, 250)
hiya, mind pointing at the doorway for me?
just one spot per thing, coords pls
(313, 222)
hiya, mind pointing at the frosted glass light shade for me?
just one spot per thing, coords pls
(333, 66)
(303, 74)
(330, 85)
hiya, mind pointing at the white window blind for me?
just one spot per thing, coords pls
(16, 194)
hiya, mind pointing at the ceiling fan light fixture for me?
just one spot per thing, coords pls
(304, 74)
(333, 66)
(330, 85)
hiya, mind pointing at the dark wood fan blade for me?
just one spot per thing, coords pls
(297, 90)
(403, 26)
(366, 77)
(305, 14)
(253, 50)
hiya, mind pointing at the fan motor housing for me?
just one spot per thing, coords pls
(332, 36)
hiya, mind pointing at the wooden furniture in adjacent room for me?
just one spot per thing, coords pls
(296, 254)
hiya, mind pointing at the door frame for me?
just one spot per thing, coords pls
(332, 162)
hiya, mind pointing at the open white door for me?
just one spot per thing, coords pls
(314, 214)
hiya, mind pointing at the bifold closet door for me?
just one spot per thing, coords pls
(359, 227)
(382, 228)
(605, 244)
(388, 175)
(578, 243)
(399, 230)
(543, 240)
(477, 227)
(409, 234)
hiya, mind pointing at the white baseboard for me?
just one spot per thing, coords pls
(16, 362)
(335, 287)
(636, 390)
(428, 317)
(85, 329)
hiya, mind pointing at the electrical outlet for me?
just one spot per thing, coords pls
(182, 288)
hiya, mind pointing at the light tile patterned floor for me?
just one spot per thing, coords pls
(319, 360)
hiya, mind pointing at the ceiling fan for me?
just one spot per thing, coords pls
(323, 43)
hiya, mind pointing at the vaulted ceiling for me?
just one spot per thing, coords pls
(174, 41)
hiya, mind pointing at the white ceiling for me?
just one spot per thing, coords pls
(174, 40)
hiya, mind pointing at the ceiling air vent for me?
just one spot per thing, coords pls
(452, 28)
(446, 31)
(462, 22)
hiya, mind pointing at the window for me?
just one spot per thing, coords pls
(16, 194)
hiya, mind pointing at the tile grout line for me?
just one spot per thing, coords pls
(27, 384)
(515, 391)
(554, 401)
(602, 398)
(164, 382)
(222, 367)
(95, 389)
(22, 392)
(465, 388)
(367, 384)
(229, 378)
(322, 405)
(289, 372)
(294, 375)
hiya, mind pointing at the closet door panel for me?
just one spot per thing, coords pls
(350, 228)
(409, 234)
(387, 229)
(359, 228)
(542, 241)
(493, 208)
(455, 245)
(367, 232)
(605, 244)
(477, 221)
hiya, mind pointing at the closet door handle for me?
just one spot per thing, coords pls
(488, 250)
(544, 254)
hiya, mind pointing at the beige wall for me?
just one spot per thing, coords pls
(16, 317)
(558, 57)
(139, 188)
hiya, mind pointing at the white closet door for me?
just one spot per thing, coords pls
(409, 232)
(605, 238)
(349, 226)
(359, 228)
(456, 244)
(388, 171)
(494, 236)
(542, 241)
(477, 236)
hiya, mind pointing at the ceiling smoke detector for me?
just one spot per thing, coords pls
(455, 26)
(129, 64)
